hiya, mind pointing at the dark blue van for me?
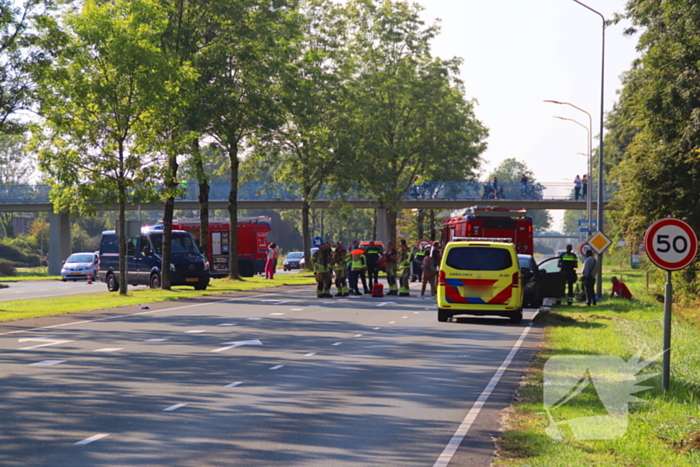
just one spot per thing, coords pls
(144, 262)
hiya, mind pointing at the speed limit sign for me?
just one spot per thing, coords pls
(671, 244)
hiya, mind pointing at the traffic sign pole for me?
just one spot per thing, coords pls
(671, 244)
(666, 372)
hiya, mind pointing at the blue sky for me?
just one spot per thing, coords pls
(518, 53)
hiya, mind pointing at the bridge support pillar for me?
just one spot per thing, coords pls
(382, 233)
(59, 241)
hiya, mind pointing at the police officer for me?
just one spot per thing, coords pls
(390, 256)
(568, 262)
(403, 260)
(321, 261)
(372, 254)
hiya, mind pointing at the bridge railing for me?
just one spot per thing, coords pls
(265, 191)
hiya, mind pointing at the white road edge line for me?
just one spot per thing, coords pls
(92, 439)
(466, 424)
(174, 407)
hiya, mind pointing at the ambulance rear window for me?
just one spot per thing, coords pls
(479, 259)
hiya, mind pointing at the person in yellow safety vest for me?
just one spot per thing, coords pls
(403, 260)
(321, 261)
(358, 263)
(339, 261)
(390, 256)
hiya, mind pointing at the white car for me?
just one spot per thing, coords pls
(78, 266)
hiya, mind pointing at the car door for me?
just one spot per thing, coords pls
(551, 280)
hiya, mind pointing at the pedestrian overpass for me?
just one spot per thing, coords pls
(266, 195)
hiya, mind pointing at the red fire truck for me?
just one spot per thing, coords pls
(252, 243)
(489, 222)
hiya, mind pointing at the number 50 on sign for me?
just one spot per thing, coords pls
(671, 244)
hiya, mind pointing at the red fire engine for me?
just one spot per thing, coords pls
(252, 243)
(480, 221)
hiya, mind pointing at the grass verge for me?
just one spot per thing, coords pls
(22, 309)
(31, 274)
(663, 430)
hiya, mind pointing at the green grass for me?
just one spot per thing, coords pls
(22, 309)
(665, 430)
(31, 274)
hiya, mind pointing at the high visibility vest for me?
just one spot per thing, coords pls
(318, 265)
(404, 259)
(358, 260)
(568, 261)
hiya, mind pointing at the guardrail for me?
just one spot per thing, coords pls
(265, 191)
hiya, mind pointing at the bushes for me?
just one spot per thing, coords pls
(7, 269)
(15, 257)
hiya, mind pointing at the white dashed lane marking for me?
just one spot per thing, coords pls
(310, 354)
(233, 385)
(276, 314)
(337, 343)
(110, 349)
(47, 362)
(276, 367)
(174, 407)
(157, 339)
(226, 324)
(195, 331)
(92, 439)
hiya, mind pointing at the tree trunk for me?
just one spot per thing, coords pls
(233, 214)
(420, 224)
(203, 197)
(168, 210)
(305, 233)
(122, 240)
(431, 224)
(391, 225)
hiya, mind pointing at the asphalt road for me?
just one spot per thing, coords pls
(273, 377)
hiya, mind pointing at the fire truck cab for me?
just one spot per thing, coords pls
(490, 222)
(252, 243)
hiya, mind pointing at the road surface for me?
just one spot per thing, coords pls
(273, 377)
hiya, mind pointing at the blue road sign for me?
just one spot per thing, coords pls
(317, 241)
(586, 229)
(583, 222)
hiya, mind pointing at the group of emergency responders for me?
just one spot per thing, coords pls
(350, 265)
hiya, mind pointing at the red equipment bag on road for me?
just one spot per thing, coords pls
(378, 290)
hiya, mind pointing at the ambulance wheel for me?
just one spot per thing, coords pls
(443, 315)
(516, 317)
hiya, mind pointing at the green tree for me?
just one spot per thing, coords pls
(96, 97)
(656, 132)
(409, 107)
(16, 168)
(509, 172)
(242, 66)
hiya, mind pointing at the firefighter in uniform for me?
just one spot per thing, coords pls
(403, 260)
(358, 263)
(568, 262)
(339, 261)
(390, 256)
(321, 261)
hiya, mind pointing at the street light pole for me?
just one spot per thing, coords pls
(589, 196)
(599, 285)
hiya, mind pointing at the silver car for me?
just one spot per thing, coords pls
(78, 266)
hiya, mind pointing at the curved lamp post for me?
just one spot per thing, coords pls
(589, 130)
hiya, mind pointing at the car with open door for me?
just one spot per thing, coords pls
(541, 280)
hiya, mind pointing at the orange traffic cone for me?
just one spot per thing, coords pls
(89, 280)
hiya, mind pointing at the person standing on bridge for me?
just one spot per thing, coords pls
(523, 186)
(577, 187)
(568, 262)
(495, 188)
(584, 186)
